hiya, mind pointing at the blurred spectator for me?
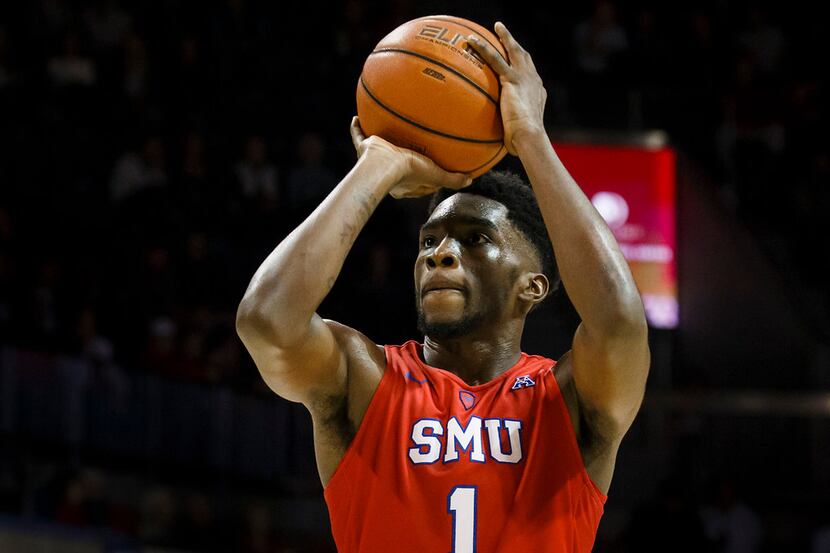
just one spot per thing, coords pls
(71, 508)
(600, 39)
(190, 362)
(753, 139)
(6, 77)
(107, 22)
(71, 67)
(670, 522)
(198, 194)
(386, 281)
(91, 344)
(106, 376)
(200, 277)
(257, 176)
(6, 287)
(311, 180)
(758, 110)
(41, 319)
(353, 37)
(224, 358)
(187, 89)
(136, 171)
(6, 229)
(12, 478)
(198, 527)
(159, 282)
(159, 512)
(820, 542)
(729, 522)
(8, 271)
(650, 55)
(55, 14)
(764, 41)
(699, 54)
(812, 204)
(258, 530)
(600, 47)
(260, 209)
(194, 166)
(136, 67)
(160, 352)
(83, 503)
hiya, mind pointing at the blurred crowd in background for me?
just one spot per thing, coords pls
(153, 153)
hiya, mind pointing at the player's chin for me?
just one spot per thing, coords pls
(441, 318)
(443, 306)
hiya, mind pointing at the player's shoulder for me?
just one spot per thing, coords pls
(365, 367)
(537, 365)
(361, 352)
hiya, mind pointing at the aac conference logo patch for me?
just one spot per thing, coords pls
(523, 382)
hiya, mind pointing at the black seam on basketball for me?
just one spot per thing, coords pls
(474, 169)
(439, 18)
(422, 127)
(439, 64)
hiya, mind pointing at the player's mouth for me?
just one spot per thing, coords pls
(441, 285)
(437, 290)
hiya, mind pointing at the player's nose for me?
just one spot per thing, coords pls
(444, 255)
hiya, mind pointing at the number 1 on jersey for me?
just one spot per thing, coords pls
(462, 504)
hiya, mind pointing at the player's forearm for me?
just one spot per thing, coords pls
(294, 279)
(591, 264)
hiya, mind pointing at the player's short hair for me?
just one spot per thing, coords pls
(510, 190)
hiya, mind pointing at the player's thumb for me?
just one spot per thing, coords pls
(457, 181)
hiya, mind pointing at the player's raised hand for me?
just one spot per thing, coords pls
(418, 175)
(523, 94)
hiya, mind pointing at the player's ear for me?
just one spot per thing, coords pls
(535, 288)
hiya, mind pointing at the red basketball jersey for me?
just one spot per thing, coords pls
(438, 466)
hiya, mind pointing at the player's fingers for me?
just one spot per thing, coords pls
(514, 49)
(357, 133)
(493, 58)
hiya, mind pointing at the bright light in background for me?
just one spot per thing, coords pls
(612, 207)
(634, 191)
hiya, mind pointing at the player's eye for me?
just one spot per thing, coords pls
(476, 239)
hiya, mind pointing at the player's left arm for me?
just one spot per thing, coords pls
(610, 355)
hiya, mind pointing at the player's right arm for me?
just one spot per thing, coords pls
(300, 355)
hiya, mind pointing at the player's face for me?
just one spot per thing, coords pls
(469, 258)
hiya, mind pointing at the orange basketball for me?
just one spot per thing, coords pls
(424, 88)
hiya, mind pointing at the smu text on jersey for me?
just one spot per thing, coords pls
(431, 439)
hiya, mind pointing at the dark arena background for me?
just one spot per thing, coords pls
(153, 153)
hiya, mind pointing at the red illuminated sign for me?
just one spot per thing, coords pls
(634, 190)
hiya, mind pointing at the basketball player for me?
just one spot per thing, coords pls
(463, 442)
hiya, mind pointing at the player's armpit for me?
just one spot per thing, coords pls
(610, 373)
(315, 365)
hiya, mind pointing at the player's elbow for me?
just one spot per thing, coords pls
(251, 322)
(260, 321)
(246, 318)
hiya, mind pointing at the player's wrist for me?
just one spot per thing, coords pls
(388, 167)
(528, 137)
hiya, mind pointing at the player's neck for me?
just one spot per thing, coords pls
(475, 359)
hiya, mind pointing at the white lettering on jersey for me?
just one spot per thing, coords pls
(430, 439)
(514, 429)
(463, 437)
